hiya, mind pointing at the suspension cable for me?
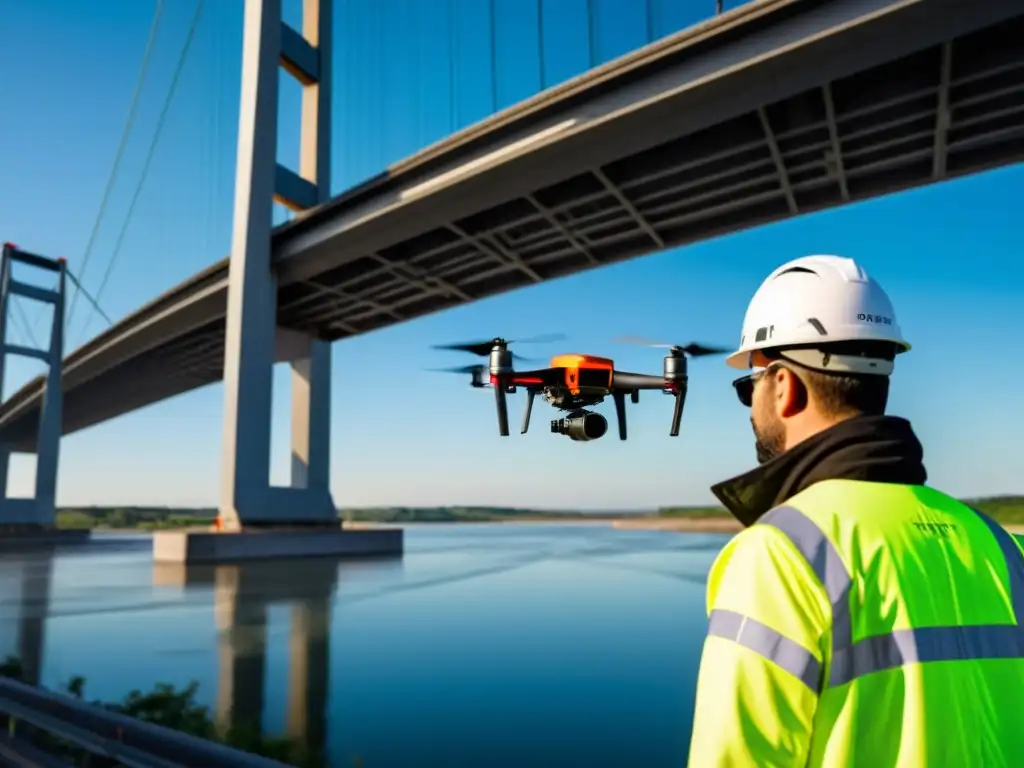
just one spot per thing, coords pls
(88, 297)
(182, 58)
(125, 132)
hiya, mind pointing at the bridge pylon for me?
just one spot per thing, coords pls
(253, 341)
(39, 512)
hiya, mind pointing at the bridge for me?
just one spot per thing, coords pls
(771, 110)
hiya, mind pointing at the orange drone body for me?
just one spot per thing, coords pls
(585, 371)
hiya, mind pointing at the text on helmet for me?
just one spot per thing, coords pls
(880, 319)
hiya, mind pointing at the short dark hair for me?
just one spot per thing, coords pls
(843, 394)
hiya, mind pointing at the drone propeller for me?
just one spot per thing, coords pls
(479, 374)
(693, 349)
(461, 369)
(674, 375)
(483, 348)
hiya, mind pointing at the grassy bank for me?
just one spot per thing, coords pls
(132, 518)
(1008, 510)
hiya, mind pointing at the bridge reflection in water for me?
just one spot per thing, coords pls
(26, 575)
(243, 595)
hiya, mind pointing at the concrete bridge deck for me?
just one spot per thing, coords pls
(775, 109)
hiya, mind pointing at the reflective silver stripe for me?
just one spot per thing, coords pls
(1014, 563)
(913, 646)
(824, 560)
(850, 660)
(772, 645)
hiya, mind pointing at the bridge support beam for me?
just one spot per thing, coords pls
(253, 341)
(39, 512)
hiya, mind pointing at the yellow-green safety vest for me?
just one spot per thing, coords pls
(864, 624)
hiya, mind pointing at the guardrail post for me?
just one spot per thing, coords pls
(247, 499)
(39, 511)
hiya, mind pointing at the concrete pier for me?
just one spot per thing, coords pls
(194, 547)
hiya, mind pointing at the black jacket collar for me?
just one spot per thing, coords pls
(879, 449)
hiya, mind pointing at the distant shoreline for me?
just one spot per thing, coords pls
(695, 525)
(709, 524)
(681, 524)
(670, 525)
(1007, 509)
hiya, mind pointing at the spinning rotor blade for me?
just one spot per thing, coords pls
(483, 348)
(461, 369)
(480, 348)
(693, 349)
(517, 358)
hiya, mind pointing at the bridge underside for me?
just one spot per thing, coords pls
(949, 110)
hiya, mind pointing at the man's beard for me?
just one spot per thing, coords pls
(770, 442)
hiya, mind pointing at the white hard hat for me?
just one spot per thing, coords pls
(820, 300)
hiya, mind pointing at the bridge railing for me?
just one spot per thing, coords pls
(104, 734)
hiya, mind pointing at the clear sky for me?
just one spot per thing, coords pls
(949, 255)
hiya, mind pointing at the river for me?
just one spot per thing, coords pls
(485, 645)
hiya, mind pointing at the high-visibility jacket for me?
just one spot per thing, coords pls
(864, 624)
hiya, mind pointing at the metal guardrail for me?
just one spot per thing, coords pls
(104, 733)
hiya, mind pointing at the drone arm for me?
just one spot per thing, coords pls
(629, 381)
(502, 406)
(530, 394)
(620, 411)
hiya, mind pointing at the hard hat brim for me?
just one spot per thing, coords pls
(740, 359)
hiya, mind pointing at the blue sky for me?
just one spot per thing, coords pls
(949, 255)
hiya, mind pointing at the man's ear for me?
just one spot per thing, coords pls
(790, 393)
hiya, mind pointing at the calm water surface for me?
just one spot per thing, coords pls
(489, 645)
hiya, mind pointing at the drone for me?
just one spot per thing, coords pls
(574, 383)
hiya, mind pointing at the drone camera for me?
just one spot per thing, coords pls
(581, 426)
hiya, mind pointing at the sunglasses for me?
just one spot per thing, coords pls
(745, 385)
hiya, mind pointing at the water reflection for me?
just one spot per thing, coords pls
(243, 594)
(484, 645)
(25, 584)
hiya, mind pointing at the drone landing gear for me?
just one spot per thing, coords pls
(502, 406)
(677, 411)
(530, 394)
(620, 411)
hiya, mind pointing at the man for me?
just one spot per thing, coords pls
(861, 618)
